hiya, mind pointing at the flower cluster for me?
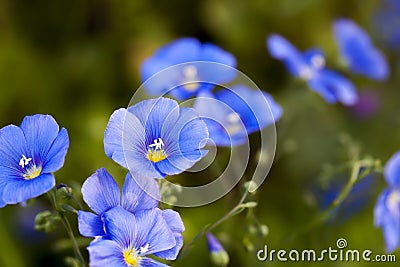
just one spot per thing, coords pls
(152, 139)
(358, 54)
(187, 68)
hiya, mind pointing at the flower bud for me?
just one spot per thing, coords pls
(219, 257)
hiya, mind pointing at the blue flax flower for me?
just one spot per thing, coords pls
(101, 193)
(190, 74)
(310, 66)
(155, 138)
(387, 208)
(29, 154)
(130, 238)
(358, 51)
(231, 114)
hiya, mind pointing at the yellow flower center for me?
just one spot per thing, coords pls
(156, 153)
(33, 172)
(131, 258)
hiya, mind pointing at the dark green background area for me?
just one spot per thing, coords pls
(79, 61)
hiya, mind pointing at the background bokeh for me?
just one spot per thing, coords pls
(79, 60)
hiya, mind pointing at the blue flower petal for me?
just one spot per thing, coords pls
(12, 147)
(20, 190)
(40, 132)
(90, 224)
(334, 87)
(281, 49)
(105, 253)
(124, 131)
(358, 51)
(155, 114)
(216, 114)
(140, 193)
(147, 262)
(174, 222)
(101, 192)
(256, 109)
(153, 230)
(54, 159)
(392, 170)
(198, 71)
(172, 253)
(188, 134)
(121, 226)
(380, 209)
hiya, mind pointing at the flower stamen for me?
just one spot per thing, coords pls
(33, 172)
(24, 161)
(156, 153)
(131, 257)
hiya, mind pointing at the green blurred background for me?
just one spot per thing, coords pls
(79, 60)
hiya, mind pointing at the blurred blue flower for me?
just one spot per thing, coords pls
(130, 238)
(231, 114)
(29, 154)
(387, 23)
(101, 193)
(358, 51)
(387, 208)
(218, 255)
(191, 76)
(155, 138)
(355, 202)
(310, 66)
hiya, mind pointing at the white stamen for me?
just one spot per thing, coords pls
(144, 249)
(306, 73)
(318, 61)
(157, 145)
(24, 161)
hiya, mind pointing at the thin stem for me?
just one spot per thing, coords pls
(71, 235)
(210, 227)
(230, 213)
(53, 200)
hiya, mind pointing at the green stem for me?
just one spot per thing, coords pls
(67, 226)
(236, 210)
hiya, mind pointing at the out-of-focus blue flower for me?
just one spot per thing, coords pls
(387, 208)
(387, 23)
(356, 201)
(130, 238)
(29, 154)
(310, 66)
(191, 76)
(231, 114)
(218, 255)
(101, 193)
(155, 138)
(358, 51)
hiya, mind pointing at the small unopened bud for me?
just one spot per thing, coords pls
(219, 257)
(250, 186)
(46, 221)
(64, 191)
